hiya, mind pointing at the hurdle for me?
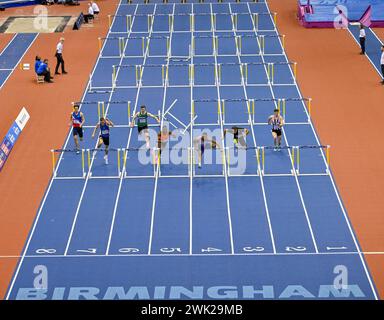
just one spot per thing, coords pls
(170, 23)
(251, 110)
(238, 45)
(161, 70)
(261, 41)
(222, 106)
(129, 111)
(164, 74)
(295, 70)
(91, 156)
(215, 45)
(282, 103)
(327, 157)
(129, 23)
(261, 153)
(121, 43)
(138, 74)
(217, 74)
(213, 22)
(309, 107)
(100, 106)
(150, 19)
(168, 47)
(62, 151)
(244, 73)
(191, 74)
(100, 109)
(121, 46)
(191, 22)
(113, 76)
(271, 70)
(234, 21)
(281, 106)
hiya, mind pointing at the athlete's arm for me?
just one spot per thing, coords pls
(134, 118)
(70, 120)
(214, 143)
(109, 122)
(282, 122)
(153, 116)
(270, 119)
(82, 119)
(94, 130)
(227, 130)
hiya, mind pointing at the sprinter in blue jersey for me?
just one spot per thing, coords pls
(76, 120)
(104, 126)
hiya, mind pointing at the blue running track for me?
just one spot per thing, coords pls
(270, 229)
(12, 54)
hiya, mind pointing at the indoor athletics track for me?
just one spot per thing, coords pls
(276, 229)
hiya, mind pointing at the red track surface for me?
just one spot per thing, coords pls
(347, 98)
(26, 174)
(5, 38)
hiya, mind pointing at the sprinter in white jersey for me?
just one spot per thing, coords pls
(277, 122)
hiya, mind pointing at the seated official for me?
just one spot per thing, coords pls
(90, 14)
(37, 63)
(43, 70)
(95, 8)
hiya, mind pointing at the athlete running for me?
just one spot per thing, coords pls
(239, 135)
(162, 138)
(104, 126)
(76, 120)
(142, 122)
(277, 122)
(200, 143)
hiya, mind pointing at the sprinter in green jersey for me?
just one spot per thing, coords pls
(142, 122)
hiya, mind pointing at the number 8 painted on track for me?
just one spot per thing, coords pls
(42, 251)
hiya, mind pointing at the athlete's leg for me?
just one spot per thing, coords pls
(274, 135)
(76, 139)
(106, 149)
(279, 140)
(200, 154)
(147, 140)
(100, 142)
